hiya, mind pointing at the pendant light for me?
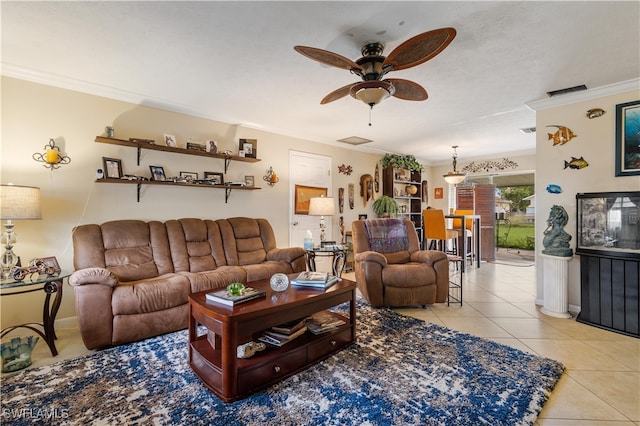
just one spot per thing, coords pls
(454, 178)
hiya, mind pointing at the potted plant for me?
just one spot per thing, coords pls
(385, 206)
(398, 161)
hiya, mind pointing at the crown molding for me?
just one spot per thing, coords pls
(587, 95)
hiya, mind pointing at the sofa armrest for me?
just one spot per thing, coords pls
(428, 257)
(368, 267)
(440, 263)
(291, 255)
(93, 276)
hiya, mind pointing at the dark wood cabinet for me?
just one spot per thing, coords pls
(395, 183)
(609, 293)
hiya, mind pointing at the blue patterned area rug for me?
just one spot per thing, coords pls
(401, 371)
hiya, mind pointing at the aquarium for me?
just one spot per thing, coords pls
(609, 224)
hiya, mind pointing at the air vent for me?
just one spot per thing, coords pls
(567, 90)
(527, 130)
(355, 140)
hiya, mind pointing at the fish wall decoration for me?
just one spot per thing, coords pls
(595, 113)
(552, 188)
(562, 135)
(576, 163)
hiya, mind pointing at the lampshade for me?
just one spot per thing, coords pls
(454, 178)
(372, 92)
(321, 206)
(19, 202)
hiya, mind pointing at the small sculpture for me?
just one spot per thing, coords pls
(556, 240)
(248, 350)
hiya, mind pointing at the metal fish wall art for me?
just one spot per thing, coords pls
(576, 163)
(595, 113)
(552, 188)
(562, 135)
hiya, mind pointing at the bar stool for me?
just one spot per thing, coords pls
(468, 233)
(436, 231)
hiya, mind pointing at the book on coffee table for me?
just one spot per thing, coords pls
(290, 327)
(331, 280)
(312, 277)
(323, 321)
(278, 339)
(221, 296)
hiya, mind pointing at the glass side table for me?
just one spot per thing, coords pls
(50, 284)
(339, 256)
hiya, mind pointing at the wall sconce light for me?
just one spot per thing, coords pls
(271, 177)
(52, 157)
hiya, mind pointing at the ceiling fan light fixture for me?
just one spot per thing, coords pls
(454, 177)
(372, 92)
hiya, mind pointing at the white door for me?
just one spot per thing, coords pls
(308, 170)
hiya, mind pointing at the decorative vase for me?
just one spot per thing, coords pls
(411, 189)
(16, 354)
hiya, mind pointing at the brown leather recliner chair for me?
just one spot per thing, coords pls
(390, 268)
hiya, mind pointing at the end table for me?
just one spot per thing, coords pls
(339, 256)
(50, 284)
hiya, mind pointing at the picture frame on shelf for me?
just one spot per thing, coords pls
(211, 147)
(157, 173)
(195, 146)
(112, 168)
(250, 147)
(170, 140)
(249, 181)
(241, 153)
(362, 217)
(215, 177)
(52, 262)
(628, 139)
(302, 196)
(189, 175)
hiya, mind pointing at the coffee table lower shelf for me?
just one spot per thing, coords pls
(269, 366)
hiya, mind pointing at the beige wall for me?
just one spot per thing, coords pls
(32, 113)
(595, 142)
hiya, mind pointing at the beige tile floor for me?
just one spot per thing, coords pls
(601, 385)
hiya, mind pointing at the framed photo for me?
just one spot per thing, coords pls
(249, 146)
(216, 178)
(438, 193)
(112, 168)
(170, 140)
(212, 147)
(362, 217)
(52, 262)
(302, 196)
(628, 139)
(157, 173)
(241, 153)
(249, 181)
(189, 175)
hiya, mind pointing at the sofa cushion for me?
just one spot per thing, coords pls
(408, 275)
(246, 240)
(143, 296)
(266, 269)
(196, 245)
(220, 278)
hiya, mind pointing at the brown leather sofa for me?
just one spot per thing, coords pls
(390, 268)
(133, 278)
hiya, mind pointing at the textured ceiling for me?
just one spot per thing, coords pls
(234, 62)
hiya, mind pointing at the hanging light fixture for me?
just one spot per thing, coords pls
(454, 178)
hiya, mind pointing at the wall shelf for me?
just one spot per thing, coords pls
(154, 147)
(139, 184)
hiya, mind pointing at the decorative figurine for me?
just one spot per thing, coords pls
(556, 240)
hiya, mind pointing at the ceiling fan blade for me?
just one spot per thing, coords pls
(327, 58)
(420, 48)
(408, 90)
(336, 94)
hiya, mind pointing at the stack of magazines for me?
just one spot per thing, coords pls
(284, 333)
(314, 279)
(323, 321)
(222, 296)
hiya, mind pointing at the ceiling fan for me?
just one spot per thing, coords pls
(372, 67)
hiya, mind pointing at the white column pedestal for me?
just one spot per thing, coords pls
(556, 286)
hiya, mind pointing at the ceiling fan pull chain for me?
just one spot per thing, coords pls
(370, 111)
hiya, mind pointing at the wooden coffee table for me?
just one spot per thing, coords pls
(213, 356)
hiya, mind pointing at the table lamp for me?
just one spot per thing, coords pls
(322, 206)
(16, 203)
